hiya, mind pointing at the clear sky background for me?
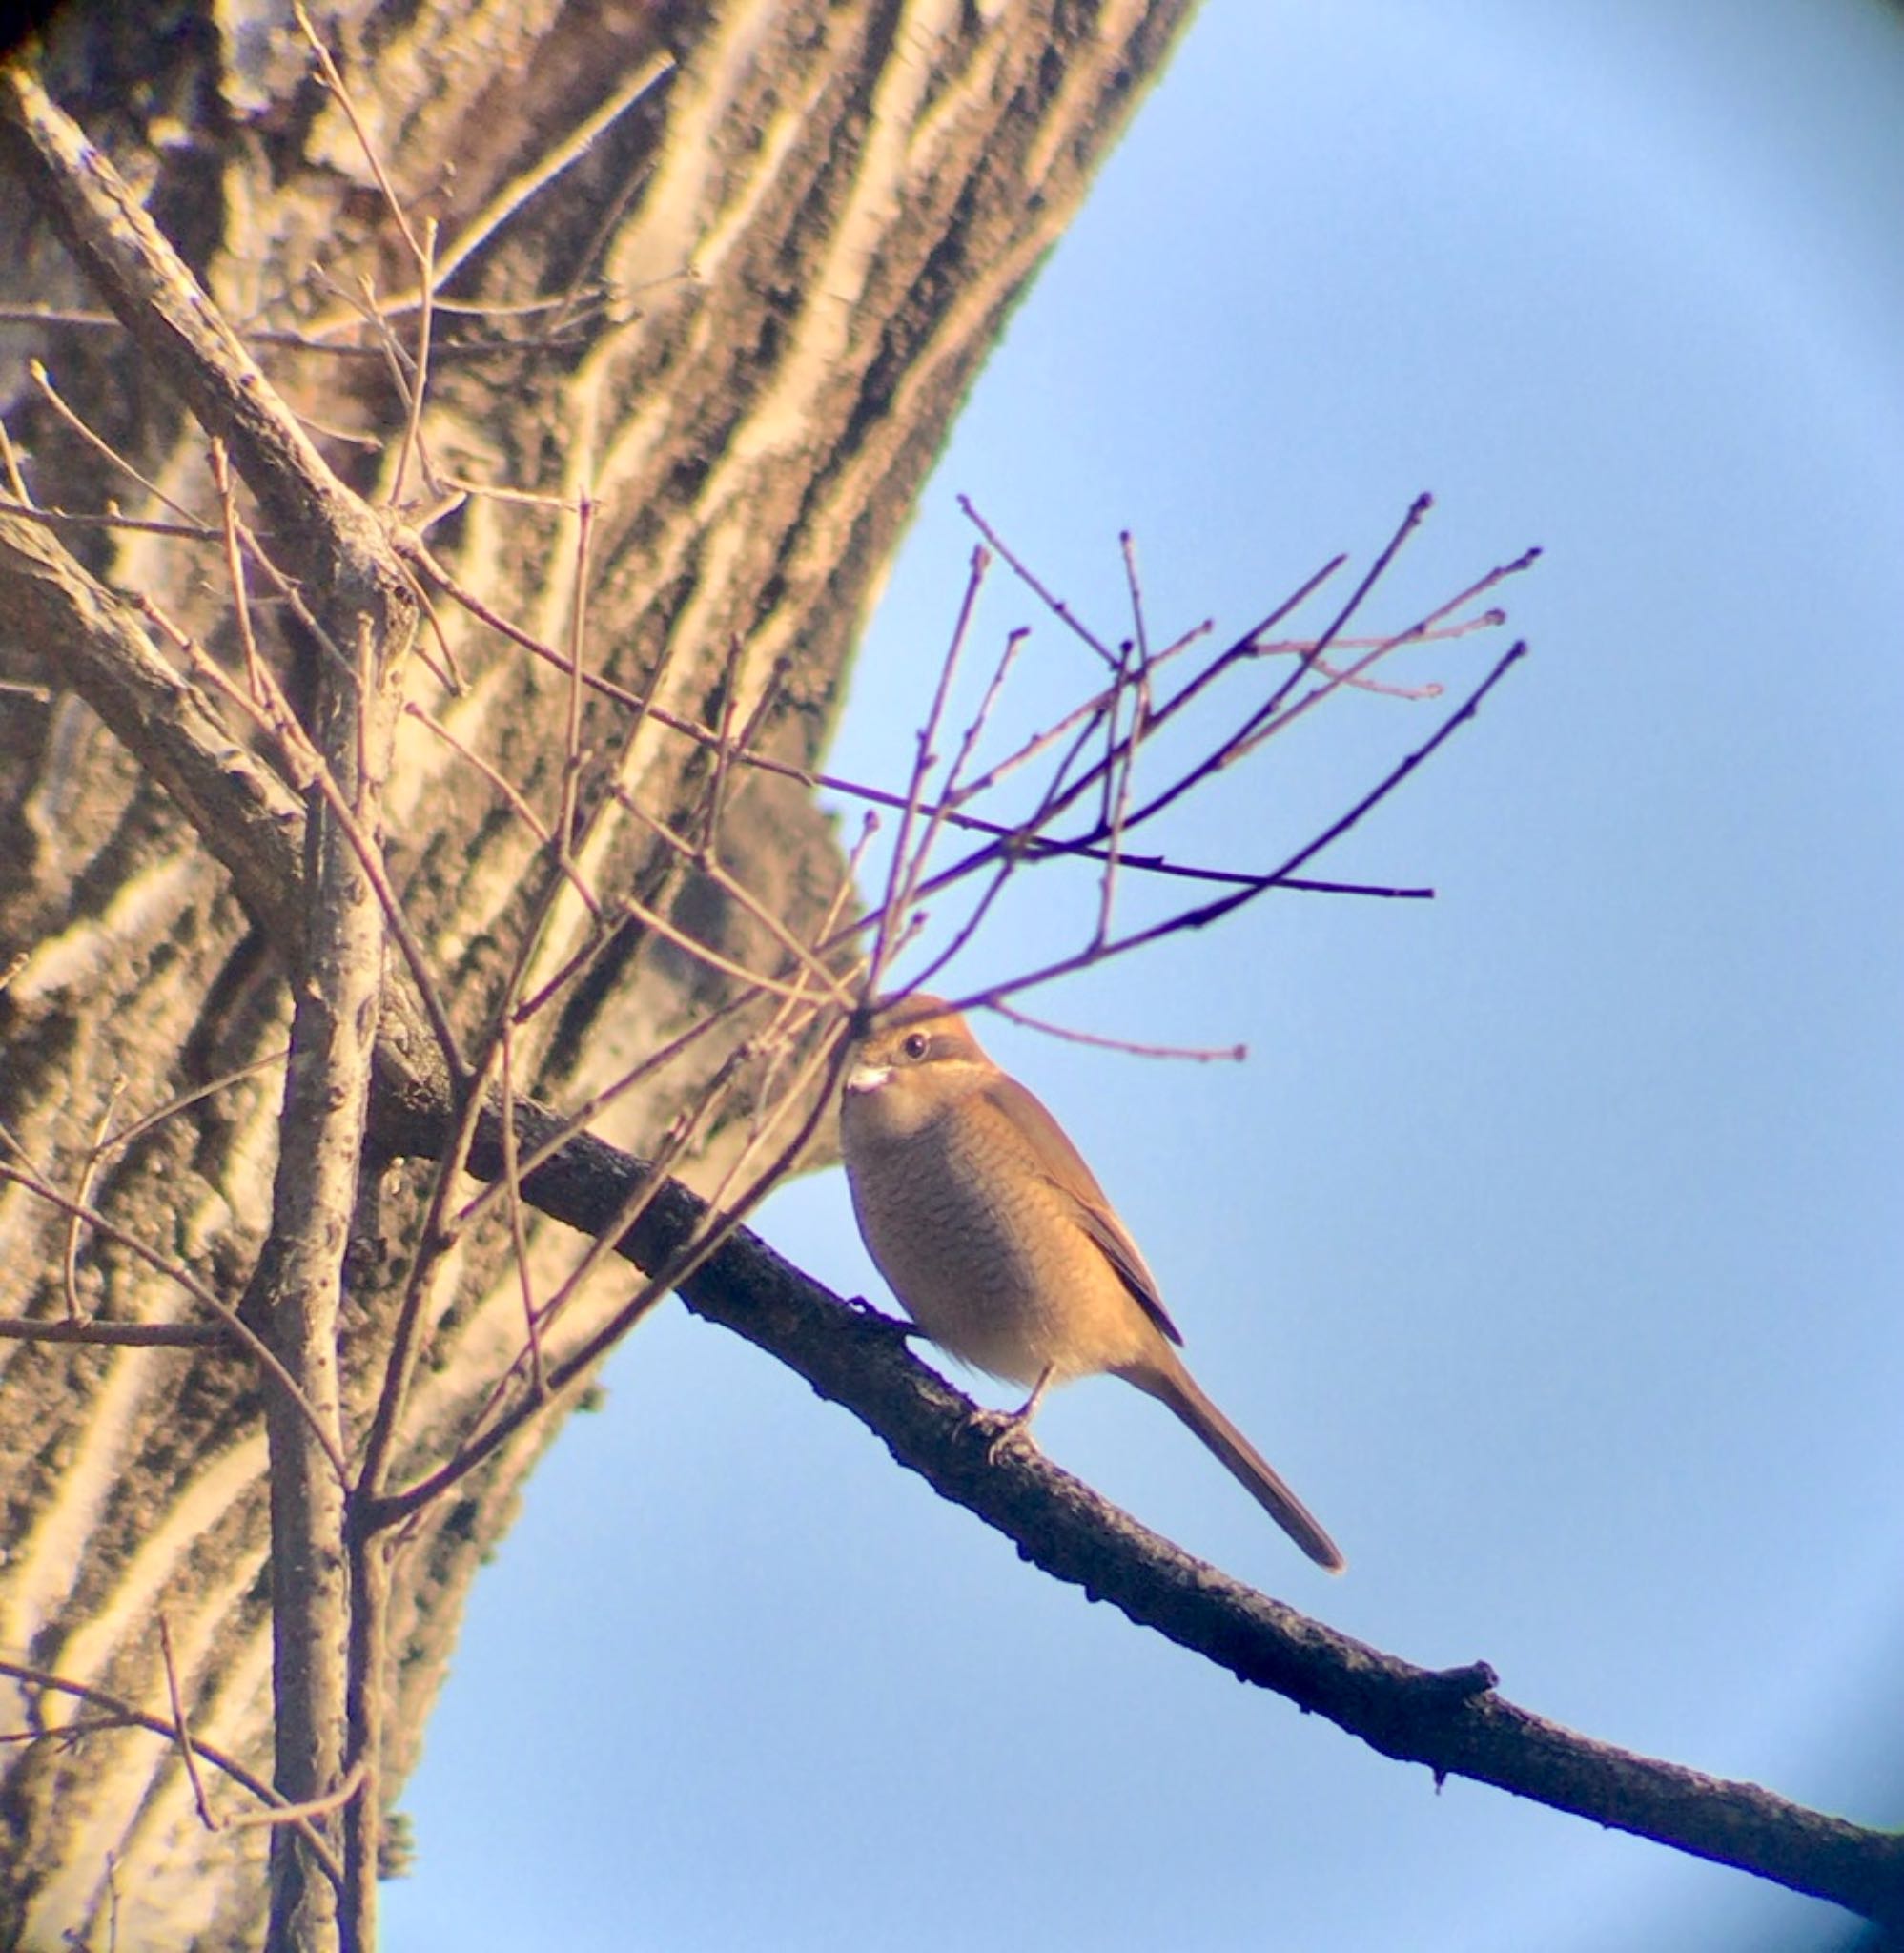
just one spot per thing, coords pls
(1550, 1240)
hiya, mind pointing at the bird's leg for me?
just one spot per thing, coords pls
(1017, 1424)
(1022, 1416)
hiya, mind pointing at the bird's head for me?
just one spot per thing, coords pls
(909, 1062)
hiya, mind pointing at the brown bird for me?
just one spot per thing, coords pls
(1001, 1246)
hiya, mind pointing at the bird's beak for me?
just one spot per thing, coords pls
(867, 1078)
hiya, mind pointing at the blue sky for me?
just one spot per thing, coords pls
(1549, 1240)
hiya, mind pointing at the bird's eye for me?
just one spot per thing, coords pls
(917, 1046)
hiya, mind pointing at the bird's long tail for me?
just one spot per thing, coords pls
(1174, 1385)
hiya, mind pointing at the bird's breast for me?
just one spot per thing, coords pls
(986, 1253)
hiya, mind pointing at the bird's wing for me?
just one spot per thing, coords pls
(1064, 1168)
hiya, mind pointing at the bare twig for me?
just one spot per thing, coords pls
(82, 1194)
(312, 770)
(100, 447)
(704, 1242)
(1200, 1053)
(137, 1334)
(908, 865)
(235, 571)
(513, 193)
(123, 1713)
(877, 796)
(572, 148)
(187, 1750)
(70, 518)
(518, 806)
(16, 481)
(513, 1206)
(300, 1814)
(334, 82)
(1055, 604)
(708, 864)
(109, 1335)
(1212, 912)
(578, 638)
(418, 386)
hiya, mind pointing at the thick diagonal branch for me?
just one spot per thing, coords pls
(326, 533)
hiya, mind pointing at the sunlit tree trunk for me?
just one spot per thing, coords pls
(735, 324)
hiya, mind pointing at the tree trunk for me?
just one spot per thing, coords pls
(737, 321)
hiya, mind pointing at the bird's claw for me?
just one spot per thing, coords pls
(878, 1319)
(1011, 1431)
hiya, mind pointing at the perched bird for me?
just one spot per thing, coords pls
(1001, 1246)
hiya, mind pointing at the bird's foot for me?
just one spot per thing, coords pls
(878, 1319)
(1015, 1427)
(1008, 1431)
